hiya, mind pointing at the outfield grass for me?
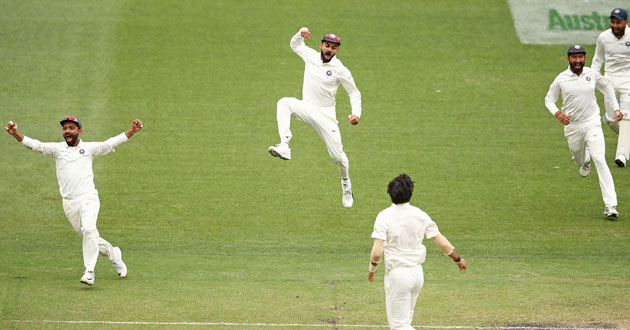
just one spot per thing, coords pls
(213, 229)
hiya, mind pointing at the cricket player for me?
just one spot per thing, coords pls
(613, 48)
(323, 73)
(399, 231)
(580, 115)
(73, 159)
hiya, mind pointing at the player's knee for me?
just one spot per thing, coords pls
(89, 233)
(340, 159)
(283, 103)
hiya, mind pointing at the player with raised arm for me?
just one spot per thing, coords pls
(81, 204)
(323, 73)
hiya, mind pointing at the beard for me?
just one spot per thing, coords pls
(618, 33)
(73, 141)
(577, 70)
(324, 56)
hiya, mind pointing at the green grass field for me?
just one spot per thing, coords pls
(216, 231)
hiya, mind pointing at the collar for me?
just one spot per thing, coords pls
(78, 144)
(571, 73)
(401, 204)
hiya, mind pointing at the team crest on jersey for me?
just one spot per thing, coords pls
(588, 78)
(81, 151)
(628, 43)
(329, 73)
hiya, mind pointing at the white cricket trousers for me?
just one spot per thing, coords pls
(402, 287)
(322, 119)
(588, 134)
(622, 128)
(82, 213)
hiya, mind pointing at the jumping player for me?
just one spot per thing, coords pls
(323, 73)
(81, 204)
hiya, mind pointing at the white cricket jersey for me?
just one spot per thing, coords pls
(321, 80)
(578, 94)
(74, 164)
(615, 54)
(403, 227)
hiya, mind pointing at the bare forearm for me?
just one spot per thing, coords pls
(130, 132)
(11, 128)
(18, 136)
(375, 257)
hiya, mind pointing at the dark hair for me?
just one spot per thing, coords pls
(400, 189)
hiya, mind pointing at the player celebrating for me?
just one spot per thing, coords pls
(399, 231)
(323, 73)
(613, 48)
(580, 115)
(76, 184)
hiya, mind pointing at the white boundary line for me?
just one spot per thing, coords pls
(302, 325)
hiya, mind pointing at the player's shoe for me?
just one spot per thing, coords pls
(611, 212)
(281, 150)
(621, 161)
(347, 198)
(585, 169)
(88, 278)
(119, 265)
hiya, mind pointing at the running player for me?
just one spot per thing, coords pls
(81, 204)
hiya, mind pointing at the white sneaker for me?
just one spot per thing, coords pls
(281, 150)
(621, 161)
(119, 265)
(585, 169)
(611, 212)
(88, 278)
(347, 199)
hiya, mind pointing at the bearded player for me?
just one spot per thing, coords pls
(580, 117)
(323, 73)
(613, 48)
(81, 204)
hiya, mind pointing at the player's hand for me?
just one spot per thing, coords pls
(371, 276)
(618, 115)
(136, 125)
(564, 119)
(305, 33)
(11, 128)
(353, 119)
(462, 264)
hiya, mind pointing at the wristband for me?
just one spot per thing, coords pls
(458, 259)
(373, 267)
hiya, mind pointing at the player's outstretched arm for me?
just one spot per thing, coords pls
(12, 130)
(449, 250)
(136, 126)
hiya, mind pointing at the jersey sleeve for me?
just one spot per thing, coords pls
(606, 88)
(380, 228)
(552, 97)
(431, 228)
(599, 55)
(299, 47)
(46, 149)
(105, 147)
(353, 92)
